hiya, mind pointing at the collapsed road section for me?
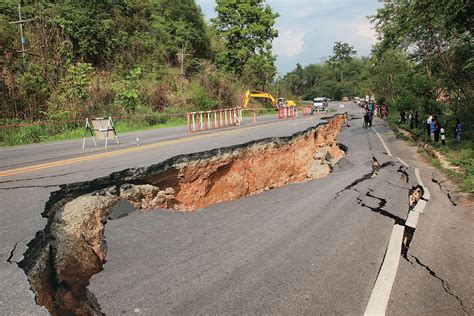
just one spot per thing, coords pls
(62, 258)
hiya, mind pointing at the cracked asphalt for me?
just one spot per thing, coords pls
(312, 247)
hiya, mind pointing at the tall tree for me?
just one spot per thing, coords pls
(389, 74)
(247, 27)
(343, 52)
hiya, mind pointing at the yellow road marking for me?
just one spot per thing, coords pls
(42, 166)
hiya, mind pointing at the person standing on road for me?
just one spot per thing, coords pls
(428, 124)
(366, 118)
(384, 113)
(417, 118)
(458, 130)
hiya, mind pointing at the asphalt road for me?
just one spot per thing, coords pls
(303, 248)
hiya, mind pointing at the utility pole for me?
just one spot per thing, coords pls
(21, 22)
(181, 56)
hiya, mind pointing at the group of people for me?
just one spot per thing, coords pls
(373, 110)
(413, 118)
(434, 129)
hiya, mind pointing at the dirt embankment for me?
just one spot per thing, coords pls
(64, 256)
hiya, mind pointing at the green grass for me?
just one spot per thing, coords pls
(46, 133)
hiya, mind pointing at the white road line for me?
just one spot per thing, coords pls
(420, 206)
(380, 295)
(426, 192)
(403, 162)
(412, 219)
(383, 143)
(418, 178)
(383, 286)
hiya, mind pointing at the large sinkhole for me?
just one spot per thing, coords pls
(62, 258)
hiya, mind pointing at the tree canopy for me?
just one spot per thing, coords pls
(437, 35)
(247, 27)
(342, 74)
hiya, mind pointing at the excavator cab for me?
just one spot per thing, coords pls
(282, 102)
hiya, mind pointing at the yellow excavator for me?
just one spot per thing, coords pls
(265, 95)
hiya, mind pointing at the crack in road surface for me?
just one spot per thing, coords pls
(444, 283)
(12, 253)
(30, 186)
(62, 258)
(405, 177)
(375, 168)
(379, 209)
(444, 190)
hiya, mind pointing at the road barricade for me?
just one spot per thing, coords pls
(102, 128)
(306, 110)
(253, 113)
(287, 112)
(204, 120)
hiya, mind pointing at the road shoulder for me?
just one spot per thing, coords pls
(437, 276)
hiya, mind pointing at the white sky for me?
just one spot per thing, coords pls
(309, 28)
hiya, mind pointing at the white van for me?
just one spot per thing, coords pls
(320, 103)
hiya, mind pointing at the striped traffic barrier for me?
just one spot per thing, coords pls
(286, 112)
(306, 110)
(204, 120)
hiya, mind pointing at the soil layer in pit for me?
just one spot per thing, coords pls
(63, 257)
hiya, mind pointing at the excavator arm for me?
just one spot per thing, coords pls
(257, 94)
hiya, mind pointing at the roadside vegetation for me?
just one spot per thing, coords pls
(342, 74)
(460, 156)
(422, 62)
(149, 62)
(126, 59)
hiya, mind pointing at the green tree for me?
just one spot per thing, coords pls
(343, 53)
(438, 34)
(128, 97)
(389, 74)
(260, 70)
(247, 27)
(89, 27)
(34, 90)
(323, 79)
(69, 99)
(185, 23)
